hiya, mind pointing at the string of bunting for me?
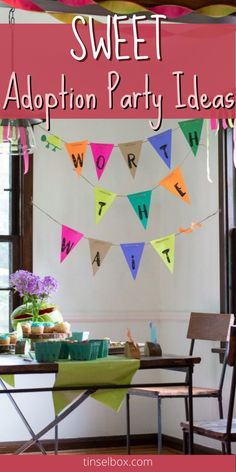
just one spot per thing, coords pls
(164, 246)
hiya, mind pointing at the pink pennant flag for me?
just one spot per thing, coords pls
(69, 239)
(101, 154)
(214, 124)
(24, 148)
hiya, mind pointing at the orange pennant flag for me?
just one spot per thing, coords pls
(174, 182)
(77, 153)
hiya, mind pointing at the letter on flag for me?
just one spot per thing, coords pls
(77, 153)
(133, 253)
(165, 247)
(131, 153)
(192, 130)
(103, 201)
(174, 182)
(141, 204)
(98, 252)
(101, 154)
(69, 239)
(162, 145)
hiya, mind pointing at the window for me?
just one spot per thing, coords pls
(15, 228)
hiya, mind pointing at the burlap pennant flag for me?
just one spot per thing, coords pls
(77, 153)
(131, 153)
(69, 239)
(174, 182)
(101, 155)
(192, 130)
(133, 253)
(141, 204)
(162, 145)
(165, 247)
(98, 251)
(103, 201)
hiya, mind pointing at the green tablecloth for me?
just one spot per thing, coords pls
(110, 370)
(9, 379)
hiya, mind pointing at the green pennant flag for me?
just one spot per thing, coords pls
(165, 247)
(103, 201)
(192, 130)
(141, 204)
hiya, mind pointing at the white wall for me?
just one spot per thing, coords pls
(110, 302)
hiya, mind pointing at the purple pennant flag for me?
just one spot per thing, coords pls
(162, 144)
(133, 253)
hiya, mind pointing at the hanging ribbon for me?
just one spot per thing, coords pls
(24, 148)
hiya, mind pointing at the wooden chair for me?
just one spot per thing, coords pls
(204, 327)
(223, 430)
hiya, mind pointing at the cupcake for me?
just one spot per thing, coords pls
(48, 327)
(26, 328)
(4, 339)
(63, 327)
(37, 328)
(13, 338)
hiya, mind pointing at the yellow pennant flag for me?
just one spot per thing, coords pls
(103, 201)
(77, 152)
(165, 247)
(174, 182)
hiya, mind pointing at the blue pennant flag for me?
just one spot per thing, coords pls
(133, 253)
(162, 145)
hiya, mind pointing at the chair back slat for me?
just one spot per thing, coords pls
(210, 326)
(232, 347)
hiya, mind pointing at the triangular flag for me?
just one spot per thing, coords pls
(162, 144)
(165, 247)
(77, 153)
(141, 204)
(103, 201)
(174, 182)
(192, 130)
(98, 252)
(101, 154)
(131, 154)
(69, 239)
(133, 253)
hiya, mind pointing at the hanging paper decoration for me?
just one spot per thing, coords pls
(77, 153)
(214, 124)
(24, 148)
(192, 130)
(191, 228)
(162, 145)
(141, 204)
(133, 253)
(174, 182)
(98, 251)
(165, 247)
(52, 142)
(103, 201)
(69, 239)
(101, 154)
(131, 153)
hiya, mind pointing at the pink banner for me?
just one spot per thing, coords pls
(69, 239)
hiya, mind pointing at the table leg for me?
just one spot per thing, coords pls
(56, 439)
(190, 395)
(128, 423)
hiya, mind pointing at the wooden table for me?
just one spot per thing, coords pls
(11, 364)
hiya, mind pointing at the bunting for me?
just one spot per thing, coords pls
(77, 153)
(162, 145)
(69, 239)
(98, 251)
(174, 183)
(133, 253)
(165, 247)
(103, 201)
(192, 130)
(131, 153)
(141, 204)
(101, 155)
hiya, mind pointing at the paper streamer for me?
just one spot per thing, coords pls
(24, 148)
(131, 153)
(69, 239)
(191, 228)
(141, 204)
(77, 153)
(103, 201)
(192, 130)
(101, 155)
(165, 247)
(162, 145)
(208, 153)
(98, 251)
(133, 254)
(174, 183)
